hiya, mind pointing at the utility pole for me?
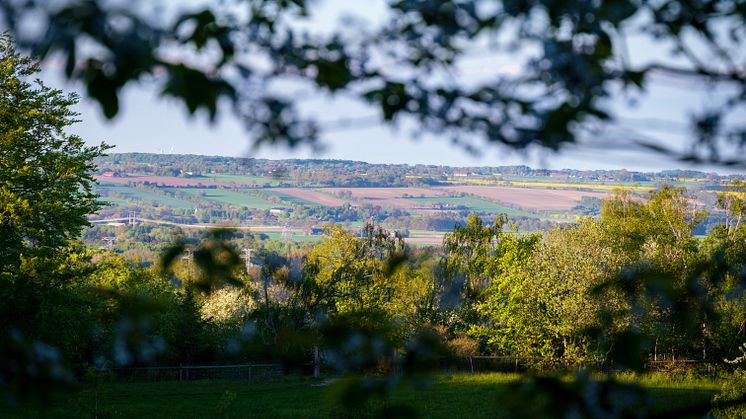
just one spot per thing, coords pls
(109, 242)
(286, 232)
(247, 258)
(132, 218)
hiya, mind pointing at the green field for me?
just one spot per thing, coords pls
(448, 396)
(137, 194)
(473, 204)
(116, 202)
(298, 237)
(290, 198)
(225, 196)
(242, 179)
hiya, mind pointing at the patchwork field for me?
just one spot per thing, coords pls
(225, 196)
(469, 203)
(137, 194)
(386, 197)
(114, 201)
(317, 197)
(288, 198)
(228, 181)
(161, 181)
(529, 199)
(241, 179)
(529, 182)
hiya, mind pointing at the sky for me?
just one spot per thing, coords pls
(147, 123)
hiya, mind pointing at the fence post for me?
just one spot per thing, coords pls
(316, 363)
(471, 364)
(516, 364)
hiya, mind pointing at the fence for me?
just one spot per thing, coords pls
(264, 372)
(484, 363)
(244, 372)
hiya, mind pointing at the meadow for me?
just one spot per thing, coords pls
(472, 204)
(225, 196)
(241, 179)
(446, 396)
(139, 194)
(306, 197)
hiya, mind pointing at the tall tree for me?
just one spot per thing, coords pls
(471, 262)
(46, 186)
(347, 274)
(46, 192)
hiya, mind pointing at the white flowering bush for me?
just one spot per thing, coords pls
(228, 305)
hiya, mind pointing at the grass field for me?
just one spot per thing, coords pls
(290, 198)
(116, 202)
(241, 179)
(473, 204)
(298, 237)
(137, 194)
(448, 396)
(225, 196)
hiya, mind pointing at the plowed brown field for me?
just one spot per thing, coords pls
(530, 199)
(388, 197)
(312, 195)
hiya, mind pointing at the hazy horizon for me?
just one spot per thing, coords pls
(331, 159)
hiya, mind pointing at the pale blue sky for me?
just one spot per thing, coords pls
(147, 123)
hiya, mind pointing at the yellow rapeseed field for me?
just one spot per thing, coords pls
(556, 185)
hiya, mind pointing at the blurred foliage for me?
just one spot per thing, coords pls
(577, 397)
(571, 58)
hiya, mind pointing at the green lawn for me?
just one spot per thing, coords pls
(225, 196)
(137, 194)
(473, 204)
(448, 396)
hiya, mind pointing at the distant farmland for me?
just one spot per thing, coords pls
(518, 201)
(469, 203)
(163, 181)
(529, 199)
(225, 196)
(539, 182)
(318, 197)
(387, 197)
(137, 194)
(228, 181)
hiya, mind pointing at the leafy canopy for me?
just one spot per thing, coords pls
(46, 187)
